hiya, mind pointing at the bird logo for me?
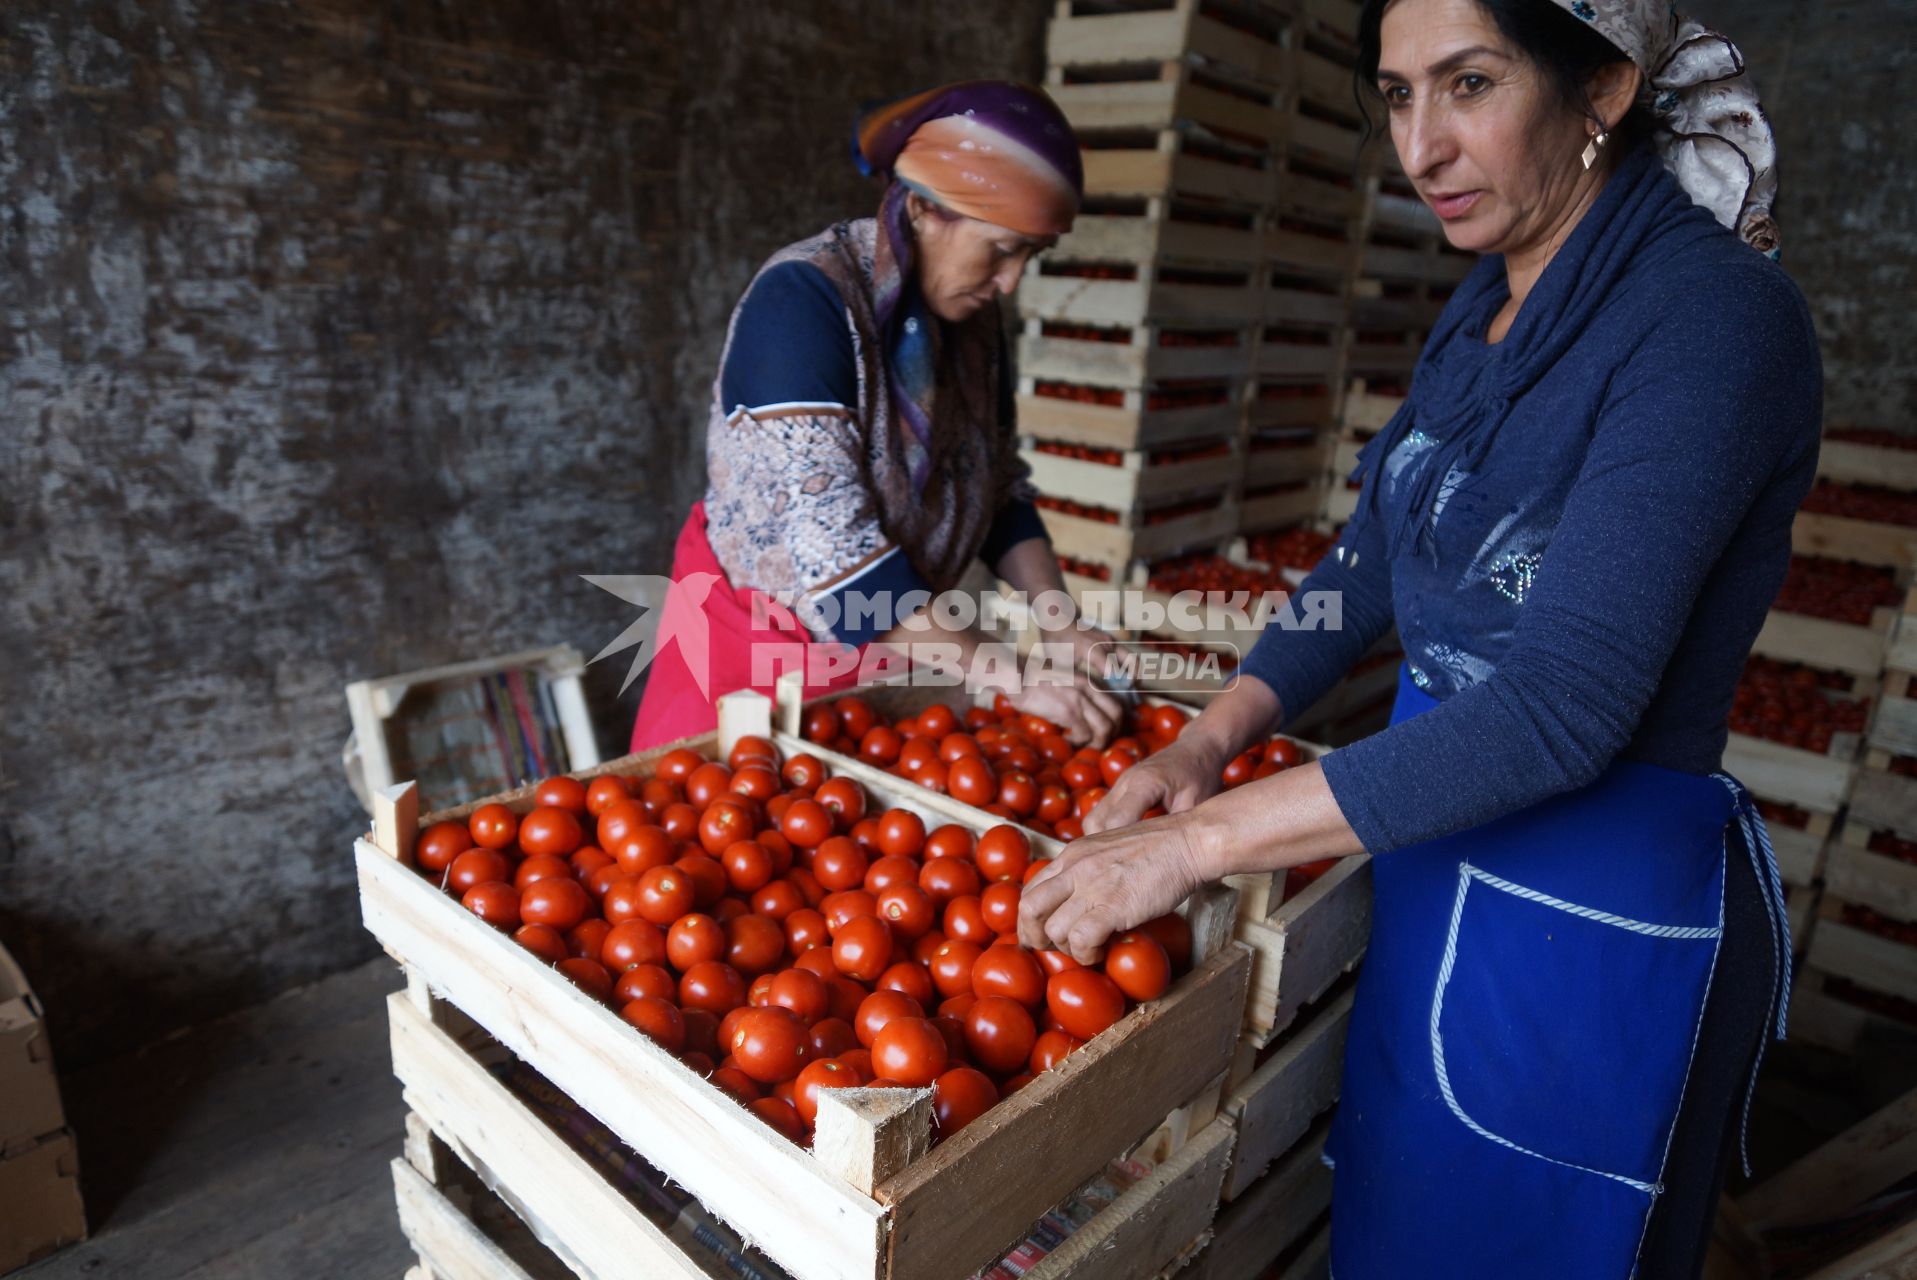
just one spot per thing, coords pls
(674, 613)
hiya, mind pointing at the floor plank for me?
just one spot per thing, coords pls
(256, 1146)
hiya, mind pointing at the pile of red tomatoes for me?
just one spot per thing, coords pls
(1786, 702)
(753, 918)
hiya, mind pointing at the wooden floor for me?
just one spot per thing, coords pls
(255, 1147)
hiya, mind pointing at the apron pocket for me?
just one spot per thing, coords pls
(1564, 1032)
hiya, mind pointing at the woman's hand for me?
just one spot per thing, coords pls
(1084, 714)
(1178, 778)
(1102, 885)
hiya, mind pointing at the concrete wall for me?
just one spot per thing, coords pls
(1832, 73)
(336, 338)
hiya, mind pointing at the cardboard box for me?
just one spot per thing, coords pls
(29, 1091)
(40, 1208)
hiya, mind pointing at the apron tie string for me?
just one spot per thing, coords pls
(1757, 845)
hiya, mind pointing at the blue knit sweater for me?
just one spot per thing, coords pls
(1577, 530)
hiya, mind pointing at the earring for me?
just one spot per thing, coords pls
(1595, 145)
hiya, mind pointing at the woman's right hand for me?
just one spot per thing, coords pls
(1087, 715)
(1177, 778)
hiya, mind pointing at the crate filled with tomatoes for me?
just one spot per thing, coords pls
(1306, 928)
(1836, 614)
(1796, 732)
(1132, 482)
(1866, 522)
(662, 940)
(1114, 538)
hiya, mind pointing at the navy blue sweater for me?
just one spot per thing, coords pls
(1577, 530)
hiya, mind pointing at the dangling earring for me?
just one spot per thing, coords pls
(1595, 145)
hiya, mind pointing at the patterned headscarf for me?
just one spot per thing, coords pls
(1712, 131)
(988, 149)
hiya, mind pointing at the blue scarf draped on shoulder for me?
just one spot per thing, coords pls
(1641, 210)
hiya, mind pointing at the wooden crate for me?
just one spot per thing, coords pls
(1854, 872)
(1858, 955)
(1826, 643)
(1157, 230)
(1820, 783)
(1176, 163)
(1133, 358)
(1276, 1105)
(1279, 509)
(1119, 544)
(869, 1209)
(1153, 96)
(1865, 541)
(1801, 852)
(1127, 426)
(1152, 294)
(1135, 481)
(1277, 406)
(378, 746)
(1304, 944)
(1277, 1221)
(1086, 35)
(1286, 463)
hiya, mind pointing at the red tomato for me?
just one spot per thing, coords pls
(641, 847)
(754, 944)
(752, 747)
(951, 966)
(665, 894)
(804, 930)
(715, 987)
(695, 939)
(549, 831)
(907, 909)
(832, 1037)
(1018, 792)
(659, 1020)
(1050, 1049)
(944, 879)
(707, 783)
(1139, 965)
(603, 792)
(756, 782)
(1054, 802)
(440, 843)
(588, 975)
(546, 868)
(937, 720)
(781, 1115)
(845, 905)
(1174, 934)
(778, 900)
(957, 746)
(477, 866)
(737, 1083)
(1056, 962)
(880, 745)
(747, 865)
(543, 941)
(559, 902)
(821, 724)
(803, 992)
(911, 979)
(708, 879)
(839, 864)
(680, 820)
(771, 1044)
(911, 1051)
(844, 799)
(1003, 854)
(862, 948)
(999, 1034)
(965, 921)
(821, 1074)
(882, 873)
(645, 980)
(880, 1008)
(855, 715)
(916, 754)
(493, 826)
(901, 833)
(999, 904)
(1009, 971)
(587, 937)
(970, 779)
(806, 824)
(1084, 1001)
(960, 1096)
(725, 823)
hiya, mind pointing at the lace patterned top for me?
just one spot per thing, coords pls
(810, 498)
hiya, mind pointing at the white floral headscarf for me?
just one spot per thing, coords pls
(1712, 131)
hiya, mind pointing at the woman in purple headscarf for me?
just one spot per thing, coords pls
(861, 449)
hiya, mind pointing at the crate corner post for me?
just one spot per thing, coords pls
(396, 820)
(867, 1135)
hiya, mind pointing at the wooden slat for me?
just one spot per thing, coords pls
(1274, 1108)
(1881, 964)
(1894, 729)
(813, 1225)
(1868, 542)
(1833, 646)
(566, 1201)
(969, 1199)
(1850, 463)
(1892, 1256)
(1774, 771)
(1124, 487)
(1800, 854)
(1882, 883)
(1151, 1222)
(1886, 801)
(452, 1245)
(1306, 945)
(1272, 1216)
(1873, 1154)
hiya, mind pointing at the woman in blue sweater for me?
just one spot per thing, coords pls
(1577, 523)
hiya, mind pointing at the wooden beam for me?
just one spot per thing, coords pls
(1876, 1152)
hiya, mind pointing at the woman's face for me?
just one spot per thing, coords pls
(964, 263)
(1479, 129)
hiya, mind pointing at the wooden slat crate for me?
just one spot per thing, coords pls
(1824, 642)
(1277, 1104)
(1865, 541)
(1282, 406)
(1855, 872)
(1118, 544)
(1134, 481)
(1150, 295)
(1305, 945)
(1276, 1221)
(1126, 426)
(1280, 508)
(1852, 462)
(1090, 34)
(1283, 463)
(938, 1215)
(1820, 783)
(1159, 95)
(1159, 230)
(1133, 358)
(1176, 162)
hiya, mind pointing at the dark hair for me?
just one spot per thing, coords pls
(1569, 51)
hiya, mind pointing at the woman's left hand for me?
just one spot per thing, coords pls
(1105, 884)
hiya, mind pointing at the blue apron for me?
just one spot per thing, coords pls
(1524, 1026)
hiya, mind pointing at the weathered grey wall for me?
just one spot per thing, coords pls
(1833, 73)
(336, 338)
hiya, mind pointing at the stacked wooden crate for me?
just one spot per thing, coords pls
(40, 1207)
(1181, 345)
(1406, 271)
